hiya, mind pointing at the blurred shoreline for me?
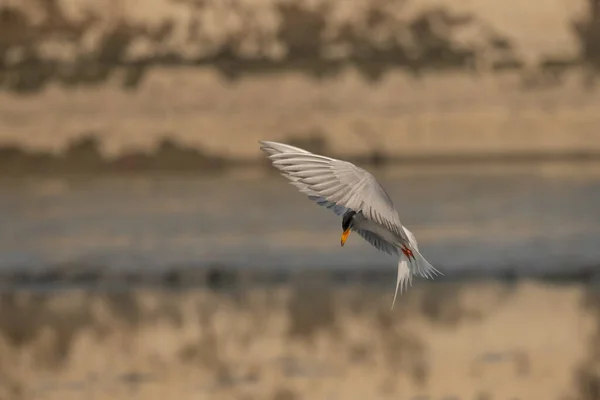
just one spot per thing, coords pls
(83, 156)
(221, 277)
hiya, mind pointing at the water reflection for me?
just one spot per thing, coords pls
(527, 217)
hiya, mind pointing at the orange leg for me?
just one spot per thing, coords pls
(408, 252)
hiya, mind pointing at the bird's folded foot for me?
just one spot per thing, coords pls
(407, 252)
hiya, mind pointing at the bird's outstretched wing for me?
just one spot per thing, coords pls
(335, 184)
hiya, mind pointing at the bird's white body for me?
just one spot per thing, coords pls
(368, 225)
(353, 192)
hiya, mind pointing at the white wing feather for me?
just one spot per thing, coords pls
(335, 184)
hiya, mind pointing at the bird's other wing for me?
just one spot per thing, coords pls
(378, 242)
(335, 184)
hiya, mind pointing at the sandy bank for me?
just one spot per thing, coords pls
(463, 341)
(209, 124)
(404, 80)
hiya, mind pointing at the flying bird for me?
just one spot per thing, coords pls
(354, 194)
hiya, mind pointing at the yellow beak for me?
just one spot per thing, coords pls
(345, 236)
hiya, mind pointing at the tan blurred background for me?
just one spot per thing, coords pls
(148, 251)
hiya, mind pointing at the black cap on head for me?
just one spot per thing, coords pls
(347, 219)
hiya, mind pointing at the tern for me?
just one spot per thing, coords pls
(354, 194)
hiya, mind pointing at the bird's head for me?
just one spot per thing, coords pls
(347, 224)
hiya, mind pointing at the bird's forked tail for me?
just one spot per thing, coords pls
(404, 277)
(412, 262)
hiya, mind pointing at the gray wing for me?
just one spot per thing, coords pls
(335, 184)
(274, 148)
(378, 242)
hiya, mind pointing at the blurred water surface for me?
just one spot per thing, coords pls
(533, 218)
